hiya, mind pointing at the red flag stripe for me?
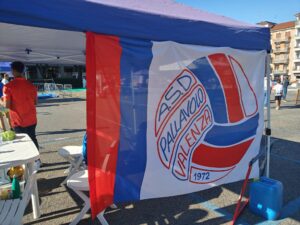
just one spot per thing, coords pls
(215, 157)
(103, 117)
(230, 87)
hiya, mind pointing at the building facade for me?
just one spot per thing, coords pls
(282, 55)
(285, 54)
(61, 74)
(296, 67)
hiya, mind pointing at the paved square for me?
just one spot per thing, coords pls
(62, 122)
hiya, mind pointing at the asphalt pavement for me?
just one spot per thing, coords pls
(62, 122)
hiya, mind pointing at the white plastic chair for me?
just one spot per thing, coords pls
(78, 182)
(72, 154)
(12, 211)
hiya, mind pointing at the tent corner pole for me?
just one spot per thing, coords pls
(268, 127)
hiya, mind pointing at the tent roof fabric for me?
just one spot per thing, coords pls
(41, 45)
(157, 20)
(171, 9)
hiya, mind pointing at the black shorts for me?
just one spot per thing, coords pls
(30, 130)
(278, 98)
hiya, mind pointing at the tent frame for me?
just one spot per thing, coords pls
(268, 125)
(47, 57)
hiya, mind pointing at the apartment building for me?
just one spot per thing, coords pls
(282, 41)
(285, 54)
(296, 67)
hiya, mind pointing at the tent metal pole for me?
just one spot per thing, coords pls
(268, 128)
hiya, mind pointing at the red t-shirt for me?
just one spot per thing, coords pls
(22, 96)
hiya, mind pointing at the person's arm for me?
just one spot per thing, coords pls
(1, 102)
(35, 94)
(5, 101)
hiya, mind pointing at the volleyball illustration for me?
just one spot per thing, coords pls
(206, 119)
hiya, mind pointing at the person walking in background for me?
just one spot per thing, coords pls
(84, 82)
(5, 79)
(278, 88)
(20, 97)
(285, 84)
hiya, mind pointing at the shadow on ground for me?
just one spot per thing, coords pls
(59, 100)
(46, 217)
(64, 131)
(284, 167)
(290, 107)
(175, 211)
(208, 207)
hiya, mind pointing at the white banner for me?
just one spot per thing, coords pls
(205, 117)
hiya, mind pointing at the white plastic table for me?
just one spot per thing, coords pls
(22, 151)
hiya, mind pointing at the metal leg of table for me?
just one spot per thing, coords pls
(34, 194)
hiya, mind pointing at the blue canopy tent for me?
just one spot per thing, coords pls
(153, 20)
(142, 20)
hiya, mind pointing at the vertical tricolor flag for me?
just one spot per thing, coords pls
(166, 118)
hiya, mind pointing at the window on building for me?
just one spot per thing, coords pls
(288, 34)
(68, 71)
(284, 68)
(52, 72)
(278, 35)
(286, 45)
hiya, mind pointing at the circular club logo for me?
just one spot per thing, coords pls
(206, 119)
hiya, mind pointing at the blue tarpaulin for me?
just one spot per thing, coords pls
(152, 20)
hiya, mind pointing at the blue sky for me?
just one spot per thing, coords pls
(251, 11)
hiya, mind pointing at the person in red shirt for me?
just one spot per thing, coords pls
(20, 97)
